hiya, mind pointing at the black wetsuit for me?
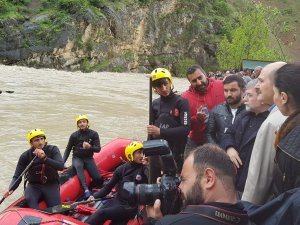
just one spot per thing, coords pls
(119, 209)
(83, 158)
(42, 176)
(172, 115)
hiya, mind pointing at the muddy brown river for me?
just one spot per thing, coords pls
(116, 104)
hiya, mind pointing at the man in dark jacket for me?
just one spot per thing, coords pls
(42, 175)
(208, 191)
(239, 139)
(84, 142)
(223, 115)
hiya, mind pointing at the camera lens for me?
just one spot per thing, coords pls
(147, 193)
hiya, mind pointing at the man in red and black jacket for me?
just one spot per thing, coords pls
(203, 94)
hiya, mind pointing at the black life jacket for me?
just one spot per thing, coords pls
(130, 173)
(166, 115)
(40, 172)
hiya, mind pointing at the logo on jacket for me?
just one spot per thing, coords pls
(138, 177)
(174, 112)
(227, 217)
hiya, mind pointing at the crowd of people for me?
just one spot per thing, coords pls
(235, 138)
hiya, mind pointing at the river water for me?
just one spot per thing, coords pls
(116, 104)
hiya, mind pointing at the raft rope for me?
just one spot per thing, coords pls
(138, 216)
(37, 223)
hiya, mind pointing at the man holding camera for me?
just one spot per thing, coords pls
(208, 191)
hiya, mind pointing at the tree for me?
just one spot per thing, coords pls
(249, 40)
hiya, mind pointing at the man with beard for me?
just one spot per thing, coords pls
(208, 191)
(203, 94)
(42, 162)
(223, 115)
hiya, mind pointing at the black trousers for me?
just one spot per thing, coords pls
(112, 210)
(48, 192)
(89, 164)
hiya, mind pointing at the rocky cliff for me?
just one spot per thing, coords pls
(134, 37)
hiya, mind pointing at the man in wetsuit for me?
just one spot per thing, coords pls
(84, 142)
(42, 175)
(119, 209)
(170, 119)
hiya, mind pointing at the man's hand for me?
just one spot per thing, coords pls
(202, 114)
(201, 117)
(86, 145)
(8, 193)
(145, 161)
(154, 211)
(63, 170)
(234, 156)
(40, 153)
(90, 199)
(153, 130)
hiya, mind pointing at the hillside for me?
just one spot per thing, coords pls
(131, 35)
(291, 14)
(290, 31)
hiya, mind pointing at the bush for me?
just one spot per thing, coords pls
(182, 66)
(72, 6)
(4, 6)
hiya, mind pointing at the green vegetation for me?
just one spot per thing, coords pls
(87, 67)
(118, 69)
(182, 66)
(9, 10)
(249, 40)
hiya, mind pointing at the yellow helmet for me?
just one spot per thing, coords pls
(160, 73)
(81, 117)
(34, 133)
(131, 148)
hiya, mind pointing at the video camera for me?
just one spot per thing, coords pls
(167, 190)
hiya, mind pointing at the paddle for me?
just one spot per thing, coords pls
(25, 170)
(150, 100)
(150, 105)
(154, 167)
(10, 92)
(67, 207)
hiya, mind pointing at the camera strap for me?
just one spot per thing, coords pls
(217, 214)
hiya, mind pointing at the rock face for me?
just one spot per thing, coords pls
(136, 38)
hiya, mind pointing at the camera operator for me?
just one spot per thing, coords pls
(120, 209)
(208, 191)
